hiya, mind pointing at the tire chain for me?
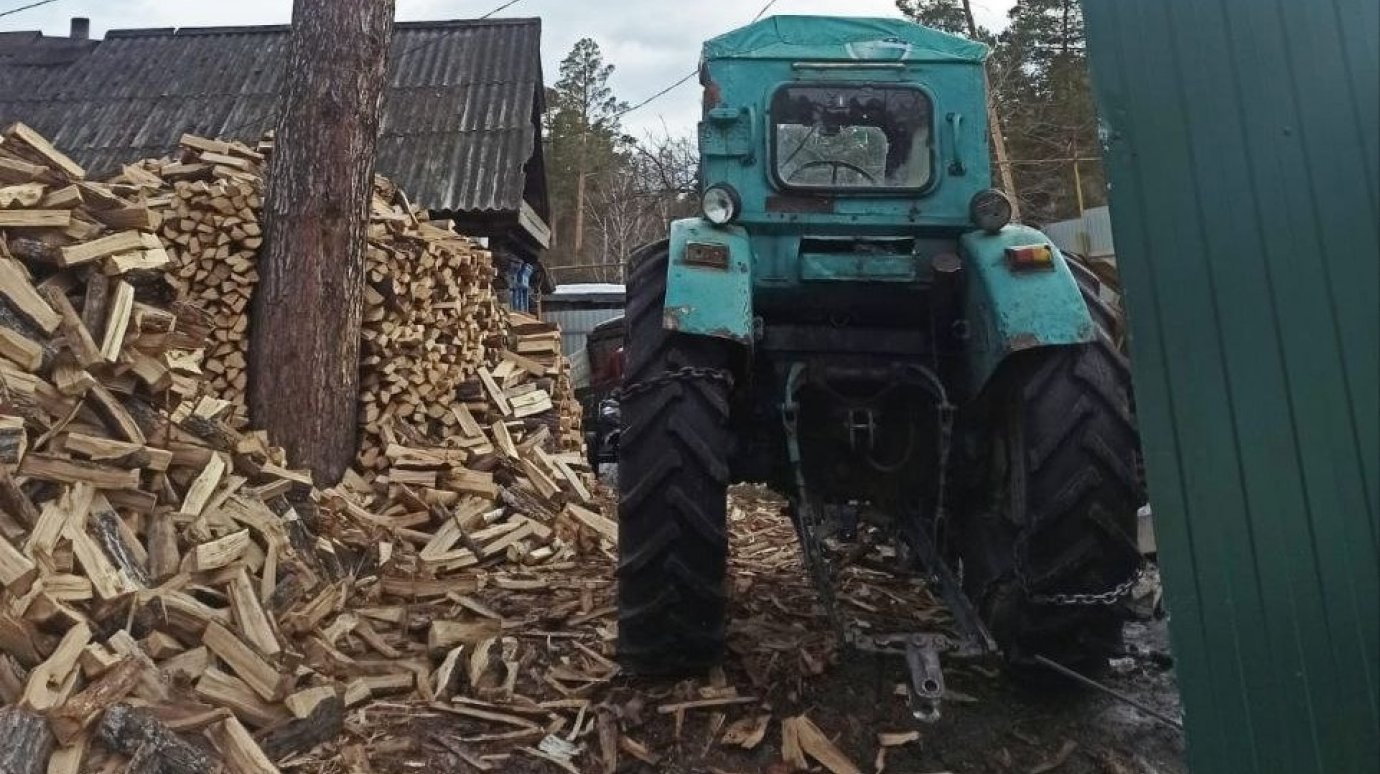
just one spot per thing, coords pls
(1108, 598)
(687, 374)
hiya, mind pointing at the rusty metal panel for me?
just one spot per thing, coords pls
(1241, 140)
(459, 121)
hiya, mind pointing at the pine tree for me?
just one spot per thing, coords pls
(943, 15)
(1046, 98)
(584, 139)
(1039, 76)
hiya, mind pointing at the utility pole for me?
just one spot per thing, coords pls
(305, 324)
(1008, 181)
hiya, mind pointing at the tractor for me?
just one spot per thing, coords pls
(854, 320)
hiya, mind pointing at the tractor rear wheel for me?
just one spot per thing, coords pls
(673, 486)
(1049, 564)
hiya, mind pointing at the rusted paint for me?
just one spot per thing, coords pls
(1022, 341)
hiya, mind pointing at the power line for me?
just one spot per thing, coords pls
(655, 96)
(764, 10)
(506, 5)
(687, 76)
(26, 7)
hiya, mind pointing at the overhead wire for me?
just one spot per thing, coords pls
(26, 7)
(686, 77)
(505, 6)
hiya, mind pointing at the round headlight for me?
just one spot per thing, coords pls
(720, 205)
(990, 210)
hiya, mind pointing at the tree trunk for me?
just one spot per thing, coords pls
(304, 337)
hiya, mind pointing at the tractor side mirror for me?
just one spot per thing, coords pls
(956, 168)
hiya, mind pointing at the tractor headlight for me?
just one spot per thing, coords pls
(720, 205)
(990, 210)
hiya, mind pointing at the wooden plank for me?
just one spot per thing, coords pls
(242, 753)
(816, 745)
(65, 198)
(17, 571)
(203, 144)
(495, 393)
(250, 617)
(108, 582)
(19, 291)
(117, 453)
(219, 553)
(117, 418)
(119, 242)
(49, 683)
(136, 217)
(50, 154)
(257, 673)
(200, 491)
(24, 351)
(51, 467)
(71, 720)
(136, 260)
(69, 759)
(22, 195)
(78, 337)
(117, 320)
(18, 171)
(35, 218)
(599, 523)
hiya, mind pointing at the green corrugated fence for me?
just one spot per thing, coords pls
(1242, 140)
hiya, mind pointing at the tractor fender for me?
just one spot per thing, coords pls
(1011, 309)
(709, 281)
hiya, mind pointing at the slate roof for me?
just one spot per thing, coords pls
(461, 113)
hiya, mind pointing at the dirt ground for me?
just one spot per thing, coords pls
(783, 663)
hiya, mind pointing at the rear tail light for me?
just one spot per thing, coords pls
(1030, 257)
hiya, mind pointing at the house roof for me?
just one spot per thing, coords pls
(461, 111)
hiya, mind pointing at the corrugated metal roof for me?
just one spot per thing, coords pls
(460, 114)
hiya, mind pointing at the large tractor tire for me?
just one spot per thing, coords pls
(1045, 561)
(673, 482)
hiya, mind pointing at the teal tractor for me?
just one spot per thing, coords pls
(854, 320)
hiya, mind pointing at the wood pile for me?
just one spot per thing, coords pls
(172, 595)
(211, 226)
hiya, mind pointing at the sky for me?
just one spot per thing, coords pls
(651, 43)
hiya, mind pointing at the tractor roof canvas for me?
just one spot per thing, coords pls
(832, 38)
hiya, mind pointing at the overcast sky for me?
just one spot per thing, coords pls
(652, 43)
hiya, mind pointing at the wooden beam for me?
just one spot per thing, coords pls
(19, 291)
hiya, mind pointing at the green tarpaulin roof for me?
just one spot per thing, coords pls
(834, 38)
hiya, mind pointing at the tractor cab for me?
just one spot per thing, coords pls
(847, 161)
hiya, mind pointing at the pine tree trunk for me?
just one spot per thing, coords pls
(304, 345)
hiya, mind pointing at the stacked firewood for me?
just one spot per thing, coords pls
(431, 321)
(172, 594)
(211, 225)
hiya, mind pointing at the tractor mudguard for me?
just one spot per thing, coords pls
(1011, 308)
(709, 281)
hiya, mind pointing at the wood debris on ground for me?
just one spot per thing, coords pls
(173, 594)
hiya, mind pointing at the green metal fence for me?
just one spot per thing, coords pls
(1242, 139)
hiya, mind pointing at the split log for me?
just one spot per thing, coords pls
(153, 748)
(27, 741)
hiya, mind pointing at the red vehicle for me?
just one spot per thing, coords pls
(604, 348)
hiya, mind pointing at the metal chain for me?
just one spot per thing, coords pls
(1111, 596)
(687, 374)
